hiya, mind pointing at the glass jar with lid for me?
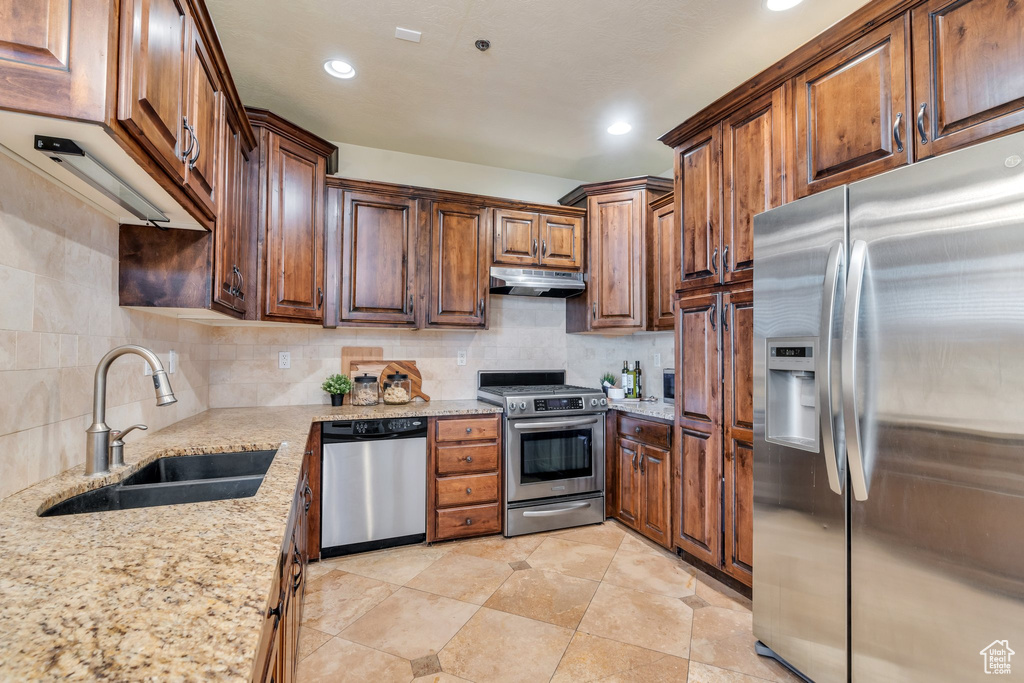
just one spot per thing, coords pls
(397, 389)
(365, 391)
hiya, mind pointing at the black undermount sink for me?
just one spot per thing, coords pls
(176, 480)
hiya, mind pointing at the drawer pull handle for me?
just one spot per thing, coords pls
(468, 491)
(469, 458)
(469, 521)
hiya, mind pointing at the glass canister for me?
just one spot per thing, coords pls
(398, 389)
(365, 391)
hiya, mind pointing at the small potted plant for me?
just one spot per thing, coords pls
(607, 381)
(337, 386)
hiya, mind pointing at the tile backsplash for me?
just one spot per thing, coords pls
(58, 316)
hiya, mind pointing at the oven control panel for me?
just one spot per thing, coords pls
(543, 405)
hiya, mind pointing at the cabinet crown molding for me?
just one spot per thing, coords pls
(640, 182)
(264, 118)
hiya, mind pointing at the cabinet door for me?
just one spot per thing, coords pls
(205, 115)
(231, 237)
(628, 484)
(153, 71)
(663, 256)
(852, 116)
(294, 231)
(968, 72)
(656, 495)
(516, 238)
(698, 192)
(378, 259)
(737, 354)
(752, 169)
(458, 265)
(561, 242)
(616, 259)
(696, 475)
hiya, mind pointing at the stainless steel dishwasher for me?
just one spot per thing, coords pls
(374, 485)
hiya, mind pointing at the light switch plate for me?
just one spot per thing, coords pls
(657, 360)
(172, 363)
(284, 360)
(461, 360)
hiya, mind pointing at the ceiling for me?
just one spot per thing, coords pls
(558, 72)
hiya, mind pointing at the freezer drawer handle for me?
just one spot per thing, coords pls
(833, 274)
(556, 511)
(851, 319)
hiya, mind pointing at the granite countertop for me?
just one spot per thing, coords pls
(174, 592)
(656, 409)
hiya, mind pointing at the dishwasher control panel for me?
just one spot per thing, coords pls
(385, 428)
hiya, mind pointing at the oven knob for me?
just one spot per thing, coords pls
(604, 401)
(522, 406)
(593, 402)
(512, 406)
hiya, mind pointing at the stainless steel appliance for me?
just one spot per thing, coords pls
(554, 449)
(668, 386)
(889, 422)
(555, 284)
(374, 485)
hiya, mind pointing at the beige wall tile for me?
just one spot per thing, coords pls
(18, 288)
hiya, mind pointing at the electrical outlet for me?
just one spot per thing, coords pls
(172, 363)
(284, 360)
(657, 360)
(461, 360)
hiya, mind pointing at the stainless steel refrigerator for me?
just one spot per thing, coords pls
(889, 423)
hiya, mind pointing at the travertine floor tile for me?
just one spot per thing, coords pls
(309, 640)
(574, 559)
(609, 535)
(410, 623)
(724, 638)
(393, 566)
(590, 658)
(318, 569)
(702, 673)
(336, 599)
(496, 647)
(441, 677)
(500, 549)
(547, 596)
(463, 577)
(651, 573)
(719, 596)
(341, 661)
(657, 622)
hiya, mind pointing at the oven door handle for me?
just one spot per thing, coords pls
(556, 511)
(556, 423)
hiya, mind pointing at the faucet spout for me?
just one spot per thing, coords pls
(97, 455)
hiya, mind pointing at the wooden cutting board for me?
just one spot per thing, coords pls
(349, 354)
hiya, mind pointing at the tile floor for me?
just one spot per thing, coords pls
(588, 604)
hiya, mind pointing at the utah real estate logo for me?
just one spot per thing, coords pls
(997, 657)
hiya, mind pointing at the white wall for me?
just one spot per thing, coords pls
(369, 163)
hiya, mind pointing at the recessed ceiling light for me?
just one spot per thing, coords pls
(781, 5)
(619, 128)
(339, 69)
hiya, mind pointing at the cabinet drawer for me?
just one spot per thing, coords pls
(467, 459)
(477, 520)
(471, 429)
(480, 488)
(651, 433)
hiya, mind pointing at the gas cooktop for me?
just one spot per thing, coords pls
(525, 393)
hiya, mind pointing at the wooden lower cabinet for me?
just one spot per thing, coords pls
(464, 477)
(712, 465)
(639, 480)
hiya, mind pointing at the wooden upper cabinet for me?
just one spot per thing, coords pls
(458, 265)
(627, 494)
(664, 267)
(616, 259)
(852, 111)
(294, 232)
(561, 242)
(378, 259)
(968, 72)
(516, 237)
(154, 70)
(752, 167)
(738, 493)
(204, 118)
(233, 234)
(698, 199)
(656, 494)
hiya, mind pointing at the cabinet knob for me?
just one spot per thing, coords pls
(469, 458)
(468, 490)
(469, 521)
(469, 430)
(637, 430)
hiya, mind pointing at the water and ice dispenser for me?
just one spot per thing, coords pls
(792, 393)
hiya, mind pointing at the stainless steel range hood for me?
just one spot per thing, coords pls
(554, 284)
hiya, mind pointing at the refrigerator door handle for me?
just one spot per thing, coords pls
(851, 320)
(833, 271)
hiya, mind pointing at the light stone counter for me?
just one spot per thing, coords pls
(174, 592)
(656, 409)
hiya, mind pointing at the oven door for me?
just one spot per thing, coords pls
(554, 456)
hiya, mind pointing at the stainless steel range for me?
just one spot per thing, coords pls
(554, 449)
